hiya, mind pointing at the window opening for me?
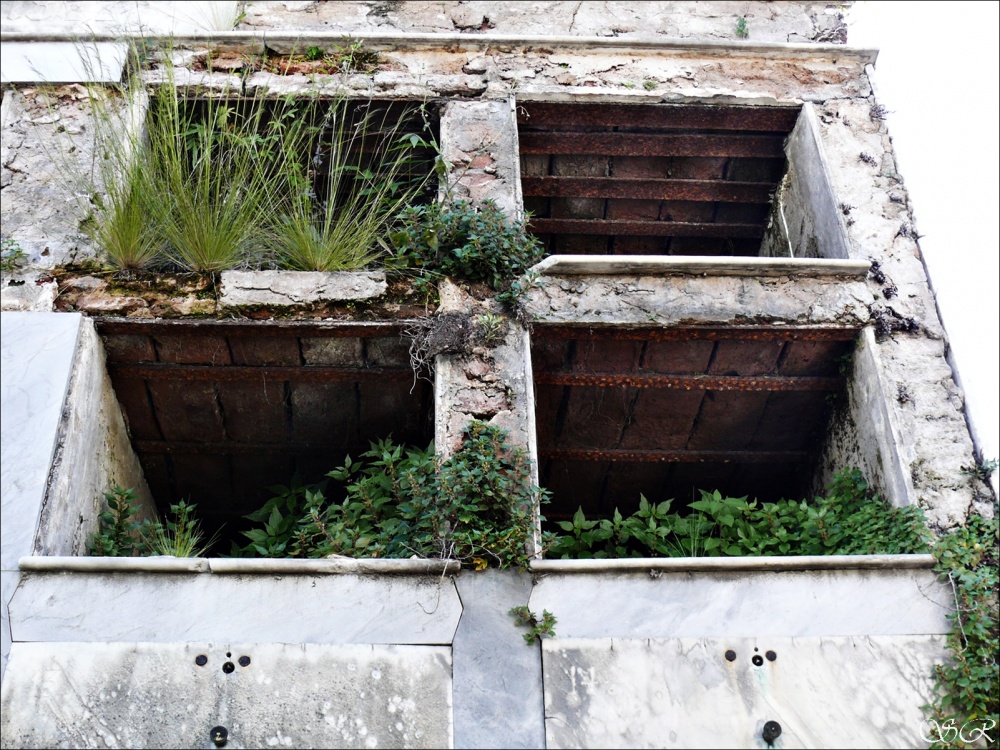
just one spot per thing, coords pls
(218, 412)
(666, 412)
(651, 179)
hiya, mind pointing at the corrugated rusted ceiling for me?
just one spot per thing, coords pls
(668, 412)
(218, 412)
(651, 179)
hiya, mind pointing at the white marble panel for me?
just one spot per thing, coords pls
(157, 695)
(36, 360)
(8, 582)
(666, 604)
(319, 608)
(62, 62)
(851, 692)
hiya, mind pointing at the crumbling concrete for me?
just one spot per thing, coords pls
(765, 22)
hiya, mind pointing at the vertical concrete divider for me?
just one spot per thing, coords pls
(497, 676)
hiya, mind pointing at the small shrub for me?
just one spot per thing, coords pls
(121, 533)
(466, 242)
(850, 520)
(967, 696)
(12, 256)
(538, 628)
(476, 507)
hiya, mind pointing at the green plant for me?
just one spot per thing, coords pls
(849, 520)
(967, 697)
(12, 255)
(213, 165)
(179, 534)
(491, 328)
(742, 29)
(362, 190)
(649, 84)
(537, 628)
(476, 507)
(121, 533)
(313, 53)
(119, 530)
(983, 469)
(465, 241)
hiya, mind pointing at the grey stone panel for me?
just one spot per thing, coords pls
(498, 677)
(157, 695)
(262, 608)
(662, 604)
(36, 363)
(685, 692)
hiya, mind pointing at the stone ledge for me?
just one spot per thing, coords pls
(730, 564)
(289, 288)
(167, 564)
(596, 265)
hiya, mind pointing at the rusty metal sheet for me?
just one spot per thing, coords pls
(236, 373)
(689, 382)
(648, 189)
(671, 456)
(673, 116)
(645, 228)
(251, 328)
(681, 333)
(635, 144)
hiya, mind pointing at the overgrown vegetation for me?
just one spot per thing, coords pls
(213, 179)
(476, 507)
(849, 520)
(464, 241)
(121, 533)
(968, 699)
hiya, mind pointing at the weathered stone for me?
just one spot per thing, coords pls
(287, 288)
(684, 692)
(287, 695)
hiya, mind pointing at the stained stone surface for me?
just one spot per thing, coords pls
(498, 677)
(684, 692)
(742, 603)
(158, 696)
(206, 607)
(282, 288)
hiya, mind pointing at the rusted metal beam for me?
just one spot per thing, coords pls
(647, 189)
(633, 144)
(688, 382)
(255, 328)
(233, 373)
(683, 333)
(178, 448)
(644, 228)
(668, 456)
(673, 116)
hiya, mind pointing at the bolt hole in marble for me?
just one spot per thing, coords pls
(228, 667)
(757, 660)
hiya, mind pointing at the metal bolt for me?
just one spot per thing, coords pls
(220, 736)
(201, 660)
(771, 732)
(771, 656)
(244, 661)
(730, 655)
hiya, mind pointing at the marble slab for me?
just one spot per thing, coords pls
(498, 677)
(850, 692)
(62, 62)
(664, 604)
(319, 608)
(158, 695)
(36, 360)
